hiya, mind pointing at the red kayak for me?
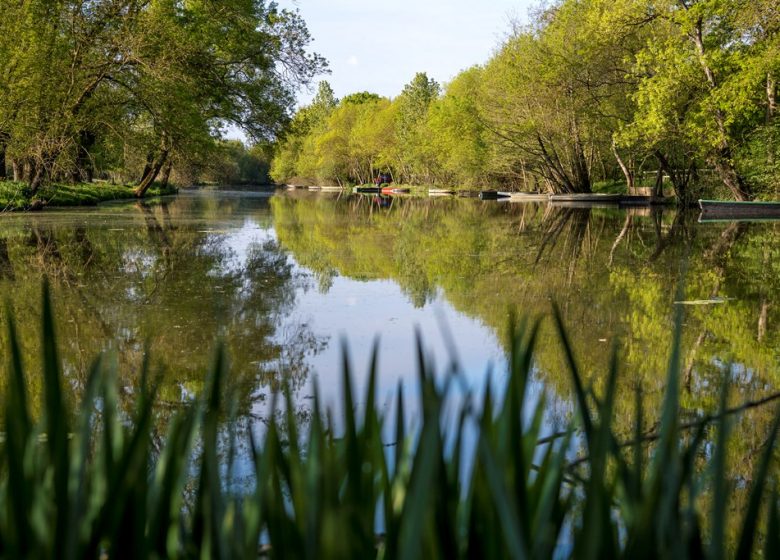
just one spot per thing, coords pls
(387, 190)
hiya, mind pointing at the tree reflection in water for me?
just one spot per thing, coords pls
(173, 278)
(613, 273)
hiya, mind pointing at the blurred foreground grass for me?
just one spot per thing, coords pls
(89, 483)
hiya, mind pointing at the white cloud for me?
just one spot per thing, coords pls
(353, 60)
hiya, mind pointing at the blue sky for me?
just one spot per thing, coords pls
(378, 46)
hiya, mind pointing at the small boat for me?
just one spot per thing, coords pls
(401, 190)
(525, 196)
(492, 195)
(715, 210)
(369, 190)
(587, 197)
(440, 191)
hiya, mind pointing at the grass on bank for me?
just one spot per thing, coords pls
(89, 484)
(16, 196)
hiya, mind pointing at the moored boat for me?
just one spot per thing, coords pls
(591, 200)
(734, 210)
(492, 195)
(440, 191)
(587, 197)
(369, 190)
(525, 196)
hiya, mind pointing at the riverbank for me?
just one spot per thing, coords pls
(15, 196)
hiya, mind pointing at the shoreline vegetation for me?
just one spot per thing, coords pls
(17, 197)
(81, 481)
(666, 95)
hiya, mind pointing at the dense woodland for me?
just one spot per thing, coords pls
(650, 93)
(134, 91)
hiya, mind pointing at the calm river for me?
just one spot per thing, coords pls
(283, 279)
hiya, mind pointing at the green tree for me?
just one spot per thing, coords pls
(142, 82)
(458, 136)
(415, 162)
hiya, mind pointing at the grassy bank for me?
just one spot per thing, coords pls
(16, 196)
(95, 484)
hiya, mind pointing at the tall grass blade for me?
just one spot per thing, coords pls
(18, 430)
(750, 522)
(579, 389)
(57, 428)
(507, 512)
(78, 483)
(719, 478)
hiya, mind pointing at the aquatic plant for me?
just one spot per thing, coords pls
(89, 483)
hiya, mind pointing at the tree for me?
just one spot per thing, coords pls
(535, 109)
(158, 76)
(458, 135)
(415, 162)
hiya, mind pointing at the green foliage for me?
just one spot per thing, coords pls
(234, 164)
(129, 89)
(591, 91)
(88, 483)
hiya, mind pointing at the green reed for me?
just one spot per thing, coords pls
(87, 483)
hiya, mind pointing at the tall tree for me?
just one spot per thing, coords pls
(415, 161)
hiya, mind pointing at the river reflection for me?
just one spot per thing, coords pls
(613, 272)
(283, 279)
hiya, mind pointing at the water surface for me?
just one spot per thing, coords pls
(283, 280)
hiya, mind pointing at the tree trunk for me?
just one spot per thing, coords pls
(4, 137)
(28, 171)
(36, 180)
(84, 169)
(762, 319)
(147, 167)
(680, 180)
(730, 177)
(166, 174)
(658, 190)
(18, 171)
(627, 172)
(151, 176)
(580, 164)
(721, 159)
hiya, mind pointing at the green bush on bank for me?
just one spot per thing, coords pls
(90, 485)
(16, 196)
